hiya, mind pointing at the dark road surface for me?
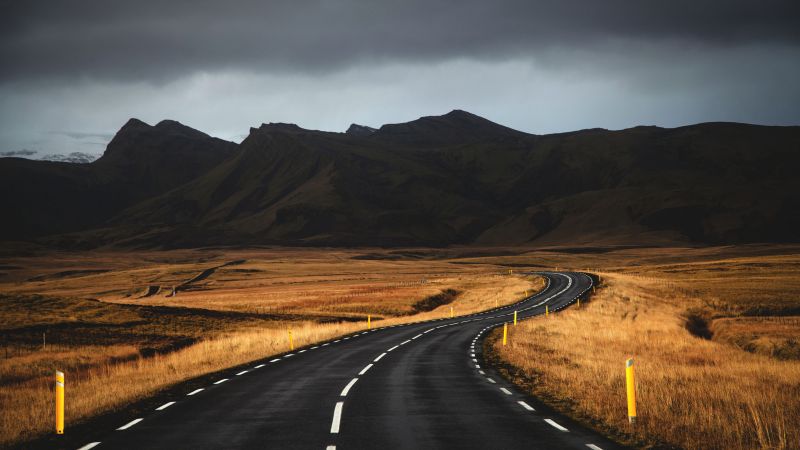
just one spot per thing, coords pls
(417, 386)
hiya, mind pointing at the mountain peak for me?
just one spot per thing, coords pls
(360, 130)
(456, 127)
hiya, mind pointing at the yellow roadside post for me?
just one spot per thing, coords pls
(515, 318)
(291, 340)
(59, 402)
(451, 312)
(369, 321)
(631, 388)
(505, 333)
(496, 303)
(546, 310)
(579, 302)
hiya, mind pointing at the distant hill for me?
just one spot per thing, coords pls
(435, 181)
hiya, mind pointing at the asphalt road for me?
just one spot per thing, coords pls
(418, 386)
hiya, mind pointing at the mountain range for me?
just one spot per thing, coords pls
(455, 179)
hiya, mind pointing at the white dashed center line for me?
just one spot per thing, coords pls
(365, 369)
(347, 388)
(242, 373)
(337, 417)
(491, 380)
(593, 447)
(89, 446)
(379, 357)
(258, 366)
(221, 381)
(275, 360)
(195, 391)
(165, 406)
(505, 391)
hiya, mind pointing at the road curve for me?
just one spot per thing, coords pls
(417, 386)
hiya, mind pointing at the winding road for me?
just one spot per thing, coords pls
(416, 386)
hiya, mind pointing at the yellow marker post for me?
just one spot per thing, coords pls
(631, 388)
(59, 402)
(515, 318)
(291, 341)
(369, 321)
(505, 333)
(451, 312)
(546, 310)
(496, 303)
(510, 271)
(579, 302)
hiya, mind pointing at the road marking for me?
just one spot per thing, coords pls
(275, 360)
(337, 417)
(89, 446)
(129, 424)
(165, 406)
(221, 381)
(505, 391)
(379, 357)
(330, 447)
(301, 351)
(337, 340)
(593, 447)
(526, 406)
(365, 369)
(491, 380)
(474, 360)
(242, 373)
(326, 344)
(258, 366)
(417, 336)
(405, 342)
(315, 347)
(344, 339)
(555, 425)
(195, 391)
(347, 388)
(482, 372)
(472, 355)
(393, 348)
(290, 354)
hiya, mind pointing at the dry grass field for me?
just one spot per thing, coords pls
(714, 333)
(106, 317)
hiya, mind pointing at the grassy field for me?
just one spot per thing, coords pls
(106, 317)
(714, 333)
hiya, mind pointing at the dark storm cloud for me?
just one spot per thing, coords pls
(161, 40)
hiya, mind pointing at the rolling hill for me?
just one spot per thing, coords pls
(435, 181)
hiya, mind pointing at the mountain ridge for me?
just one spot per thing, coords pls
(455, 179)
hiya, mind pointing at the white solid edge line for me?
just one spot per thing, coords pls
(337, 417)
(347, 388)
(593, 447)
(555, 425)
(89, 445)
(195, 391)
(165, 406)
(526, 406)
(505, 391)
(242, 373)
(379, 357)
(221, 381)
(130, 424)
(365, 369)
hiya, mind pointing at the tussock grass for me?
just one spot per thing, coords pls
(238, 314)
(692, 392)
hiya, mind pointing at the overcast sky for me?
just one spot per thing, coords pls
(72, 71)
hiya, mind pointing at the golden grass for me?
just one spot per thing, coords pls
(692, 392)
(238, 314)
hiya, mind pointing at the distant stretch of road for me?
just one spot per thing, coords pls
(418, 386)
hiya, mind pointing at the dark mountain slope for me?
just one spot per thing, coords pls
(452, 179)
(140, 162)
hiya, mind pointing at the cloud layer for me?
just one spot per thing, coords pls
(72, 72)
